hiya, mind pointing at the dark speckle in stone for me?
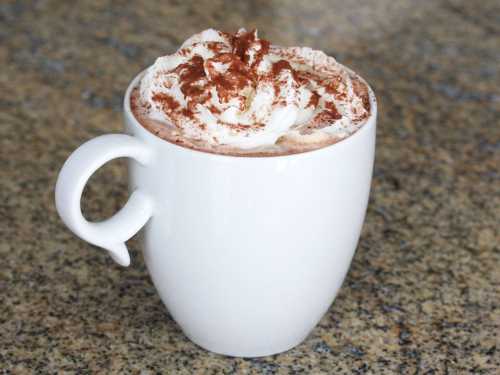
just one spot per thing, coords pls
(491, 351)
(11, 10)
(96, 101)
(404, 336)
(363, 369)
(93, 100)
(322, 347)
(53, 66)
(355, 351)
(126, 49)
(455, 92)
(35, 43)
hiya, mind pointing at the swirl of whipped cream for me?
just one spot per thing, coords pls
(238, 90)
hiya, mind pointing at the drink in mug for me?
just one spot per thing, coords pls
(250, 170)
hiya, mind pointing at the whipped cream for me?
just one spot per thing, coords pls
(241, 91)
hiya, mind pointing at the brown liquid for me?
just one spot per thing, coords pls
(284, 145)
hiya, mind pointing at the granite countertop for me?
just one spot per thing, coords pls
(423, 292)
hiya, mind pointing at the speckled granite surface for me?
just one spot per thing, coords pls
(423, 293)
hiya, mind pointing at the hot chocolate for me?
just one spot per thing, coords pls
(237, 94)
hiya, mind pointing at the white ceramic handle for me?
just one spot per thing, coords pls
(112, 233)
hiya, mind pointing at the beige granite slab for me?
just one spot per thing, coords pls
(423, 293)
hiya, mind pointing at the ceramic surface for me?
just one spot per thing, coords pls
(247, 253)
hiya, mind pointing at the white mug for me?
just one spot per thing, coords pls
(247, 253)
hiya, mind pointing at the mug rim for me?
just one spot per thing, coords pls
(371, 121)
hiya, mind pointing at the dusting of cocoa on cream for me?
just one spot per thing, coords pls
(238, 94)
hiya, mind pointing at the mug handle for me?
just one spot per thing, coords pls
(111, 233)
